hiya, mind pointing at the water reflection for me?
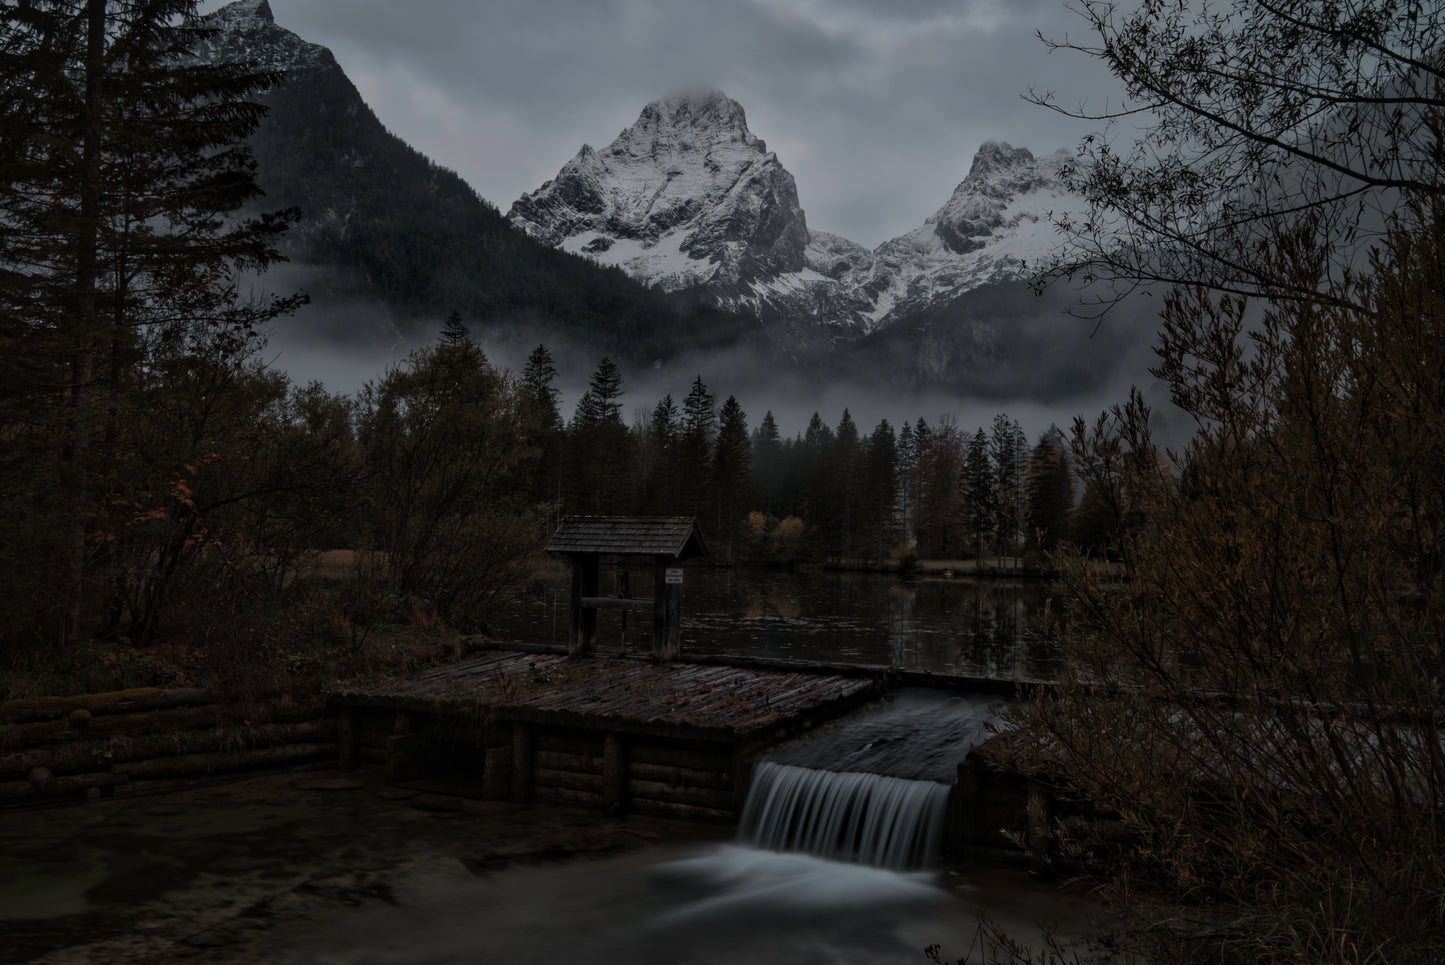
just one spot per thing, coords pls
(946, 626)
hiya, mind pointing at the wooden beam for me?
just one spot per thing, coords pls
(614, 774)
(348, 740)
(616, 603)
(522, 741)
(666, 613)
(582, 636)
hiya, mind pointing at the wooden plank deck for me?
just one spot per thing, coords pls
(619, 694)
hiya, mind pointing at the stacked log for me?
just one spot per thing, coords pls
(131, 741)
(567, 767)
(691, 781)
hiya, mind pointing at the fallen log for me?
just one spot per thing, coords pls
(111, 702)
(80, 755)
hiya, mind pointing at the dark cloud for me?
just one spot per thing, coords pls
(875, 106)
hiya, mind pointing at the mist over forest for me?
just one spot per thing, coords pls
(1082, 365)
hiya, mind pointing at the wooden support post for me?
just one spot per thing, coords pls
(406, 755)
(522, 741)
(348, 740)
(742, 777)
(405, 750)
(1039, 838)
(964, 811)
(582, 636)
(497, 773)
(666, 610)
(614, 774)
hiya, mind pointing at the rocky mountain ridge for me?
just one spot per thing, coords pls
(687, 200)
(388, 243)
(689, 197)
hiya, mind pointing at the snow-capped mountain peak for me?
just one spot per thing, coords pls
(685, 196)
(688, 197)
(246, 30)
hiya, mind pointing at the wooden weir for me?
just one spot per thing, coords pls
(614, 732)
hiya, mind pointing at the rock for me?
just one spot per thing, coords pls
(79, 718)
(40, 778)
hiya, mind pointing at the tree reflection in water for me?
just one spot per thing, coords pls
(949, 626)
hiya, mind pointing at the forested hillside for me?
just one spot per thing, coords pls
(383, 225)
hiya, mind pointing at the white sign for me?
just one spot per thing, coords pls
(674, 576)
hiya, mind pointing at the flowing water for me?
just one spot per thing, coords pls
(271, 872)
(958, 626)
(869, 819)
(824, 867)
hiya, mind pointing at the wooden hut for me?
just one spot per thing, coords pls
(665, 540)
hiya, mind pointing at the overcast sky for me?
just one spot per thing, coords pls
(875, 106)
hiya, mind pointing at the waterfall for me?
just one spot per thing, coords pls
(887, 822)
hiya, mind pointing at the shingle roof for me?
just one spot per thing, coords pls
(674, 536)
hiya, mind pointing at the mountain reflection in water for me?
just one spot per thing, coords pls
(959, 626)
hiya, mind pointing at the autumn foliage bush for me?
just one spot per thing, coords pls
(1263, 701)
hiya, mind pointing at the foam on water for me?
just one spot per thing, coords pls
(749, 883)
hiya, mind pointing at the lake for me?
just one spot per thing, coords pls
(974, 627)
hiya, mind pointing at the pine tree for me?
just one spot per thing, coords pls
(907, 482)
(813, 483)
(1050, 486)
(539, 395)
(879, 505)
(844, 490)
(599, 455)
(539, 386)
(455, 333)
(124, 164)
(979, 493)
(661, 468)
(695, 448)
(731, 475)
(941, 467)
(1008, 452)
(768, 468)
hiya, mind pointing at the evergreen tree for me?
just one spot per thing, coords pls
(1008, 452)
(124, 164)
(661, 468)
(907, 481)
(599, 458)
(940, 469)
(539, 386)
(455, 333)
(768, 467)
(879, 507)
(812, 452)
(1050, 486)
(844, 491)
(539, 395)
(695, 448)
(979, 493)
(731, 476)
